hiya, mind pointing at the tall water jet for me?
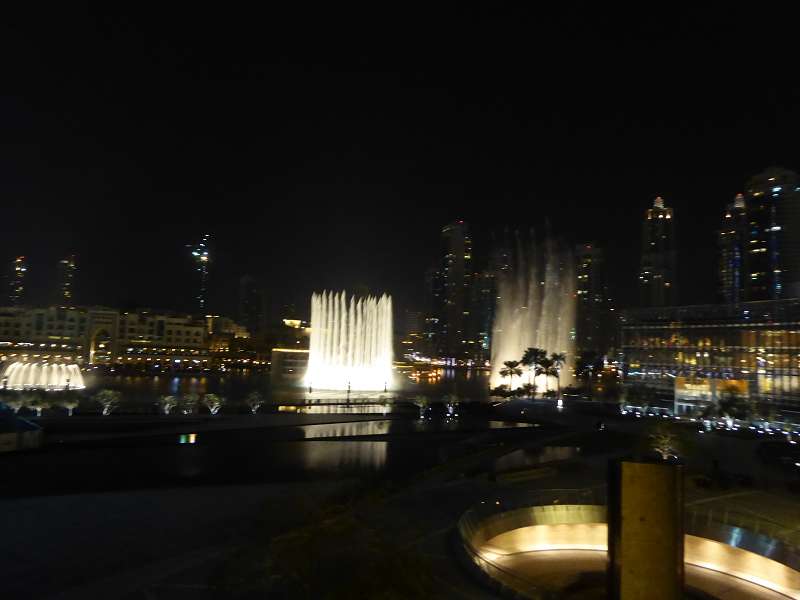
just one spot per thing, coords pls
(535, 307)
(20, 375)
(351, 342)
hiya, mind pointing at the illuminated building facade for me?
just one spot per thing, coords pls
(59, 333)
(104, 336)
(66, 280)
(760, 240)
(694, 351)
(595, 317)
(288, 365)
(456, 277)
(434, 312)
(774, 252)
(657, 278)
(735, 253)
(19, 268)
(481, 317)
(201, 259)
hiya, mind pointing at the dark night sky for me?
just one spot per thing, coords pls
(321, 157)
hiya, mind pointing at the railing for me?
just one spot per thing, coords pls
(512, 499)
(473, 520)
(731, 526)
(702, 519)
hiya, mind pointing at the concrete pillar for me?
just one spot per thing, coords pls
(645, 531)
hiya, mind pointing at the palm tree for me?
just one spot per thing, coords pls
(529, 389)
(531, 359)
(511, 368)
(558, 359)
(545, 367)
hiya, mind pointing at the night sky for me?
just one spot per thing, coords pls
(330, 153)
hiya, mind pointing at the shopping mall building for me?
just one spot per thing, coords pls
(699, 352)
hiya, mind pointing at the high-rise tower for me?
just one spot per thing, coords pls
(594, 322)
(773, 209)
(734, 246)
(66, 280)
(760, 240)
(456, 275)
(251, 305)
(657, 277)
(19, 268)
(201, 259)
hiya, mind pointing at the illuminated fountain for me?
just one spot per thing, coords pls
(21, 375)
(535, 308)
(351, 343)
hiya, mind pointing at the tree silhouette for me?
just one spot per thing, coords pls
(511, 368)
(557, 360)
(531, 359)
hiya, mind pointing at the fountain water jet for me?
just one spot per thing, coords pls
(535, 307)
(351, 343)
(20, 375)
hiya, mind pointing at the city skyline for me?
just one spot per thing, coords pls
(392, 301)
(41, 281)
(125, 165)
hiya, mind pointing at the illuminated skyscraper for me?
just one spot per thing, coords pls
(773, 211)
(456, 276)
(434, 310)
(66, 280)
(595, 317)
(657, 279)
(201, 258)
(760, 240)
(19, 268)
(734, 246)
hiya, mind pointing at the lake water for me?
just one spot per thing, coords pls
(467, 385)
(363, 449)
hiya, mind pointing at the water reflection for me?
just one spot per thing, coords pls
(286, 453)
(352, 429)
(335, 409)
(325, 456)
(466, 384)
(527, 458)
(510, 425)
(398, 426)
